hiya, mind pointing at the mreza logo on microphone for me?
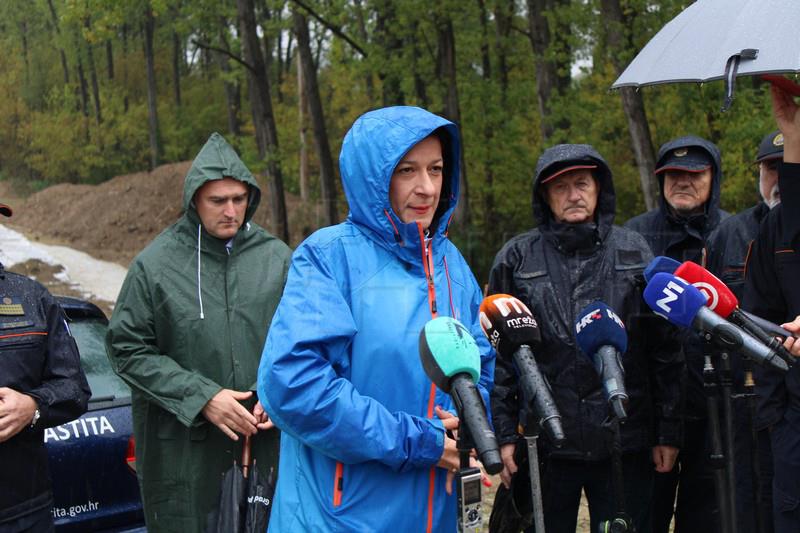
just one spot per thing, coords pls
(506, 305)
(591, 316)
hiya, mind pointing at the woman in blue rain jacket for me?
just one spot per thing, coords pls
(340, 374)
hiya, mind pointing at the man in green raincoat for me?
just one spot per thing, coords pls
(187, 334)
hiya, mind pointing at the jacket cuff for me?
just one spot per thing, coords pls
(197, 396)
(668, 433)
(430, 448)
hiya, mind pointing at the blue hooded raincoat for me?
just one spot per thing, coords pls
(341, 374)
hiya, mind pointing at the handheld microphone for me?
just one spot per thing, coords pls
(601, 336)
(723, 302)
(682, 304)
(452, 361)
(512, 330)
(769, 327)
(660, 264)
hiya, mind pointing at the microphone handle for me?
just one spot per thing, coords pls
(472, 413)
(746, 323)
(766, 325)
(729, 337)
(536, 392)
(609, 368)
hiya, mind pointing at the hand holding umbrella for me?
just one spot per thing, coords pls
(787, 117)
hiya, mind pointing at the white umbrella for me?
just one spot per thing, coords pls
(720, 39)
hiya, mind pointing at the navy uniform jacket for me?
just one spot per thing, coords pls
(772, 291)
(38, 357)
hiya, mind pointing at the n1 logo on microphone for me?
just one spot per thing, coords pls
(596, 314)
(670, 292)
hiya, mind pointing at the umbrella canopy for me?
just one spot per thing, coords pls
(719, 39)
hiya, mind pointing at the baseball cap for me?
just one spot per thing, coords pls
(771, 147)
(568, 168)
(687, 158)
(5, 210)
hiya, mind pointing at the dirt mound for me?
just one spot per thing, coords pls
(113, 221)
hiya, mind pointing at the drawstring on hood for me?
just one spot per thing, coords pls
(199, 286)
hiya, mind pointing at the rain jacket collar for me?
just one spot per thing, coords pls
(572, 237)
(370, 152)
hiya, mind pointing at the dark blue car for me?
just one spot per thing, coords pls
(92, 458)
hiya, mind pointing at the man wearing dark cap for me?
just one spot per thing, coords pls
(689, 174)
(727, 250)
(41, 385)
(554, 269)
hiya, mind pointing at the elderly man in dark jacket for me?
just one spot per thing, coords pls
(727, 250)
(689, 174)
(575, 257)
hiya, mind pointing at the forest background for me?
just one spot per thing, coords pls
(90, 89)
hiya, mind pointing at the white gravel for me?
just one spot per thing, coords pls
(96, 279)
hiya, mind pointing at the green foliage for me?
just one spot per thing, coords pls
(46, 136)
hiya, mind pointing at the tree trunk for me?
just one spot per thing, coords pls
(177, 50)
(125, 99)
(263, 117)
(632, 102)
(327, 173)
(152, 109)
(98, 115)
(503, 16)
(362, 34)
(388, 46)
(447, 69)
(548, 81)
(302, 106)
(83, 86)
(61, 52)
(109, 60)
(486, 62)
(232, 93)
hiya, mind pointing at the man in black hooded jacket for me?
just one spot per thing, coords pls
(689, 174)
(575, 257)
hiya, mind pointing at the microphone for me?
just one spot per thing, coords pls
(769, 327)
(601, 336)
(512, 330)
(452, 361)
(723, 302)
(680, 303)
(660, 264)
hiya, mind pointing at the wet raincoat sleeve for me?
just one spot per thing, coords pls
(303, 386)
(136, 358)
(64, 392)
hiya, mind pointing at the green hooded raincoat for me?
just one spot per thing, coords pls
(190, 320)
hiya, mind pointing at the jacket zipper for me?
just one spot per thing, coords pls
(427, 265)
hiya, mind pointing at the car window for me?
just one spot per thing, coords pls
(106, 386)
